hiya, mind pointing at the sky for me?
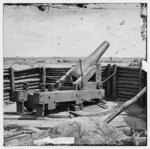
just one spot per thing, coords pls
(72, 31)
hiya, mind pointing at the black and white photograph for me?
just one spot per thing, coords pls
(74, 74)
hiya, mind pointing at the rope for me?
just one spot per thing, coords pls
(109, 77)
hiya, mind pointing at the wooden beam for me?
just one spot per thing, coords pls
(125, 105)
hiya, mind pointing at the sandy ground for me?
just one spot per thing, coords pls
(57, 62)
(132, 118)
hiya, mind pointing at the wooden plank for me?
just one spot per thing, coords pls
(127, 89)
(114, 81)
(57, 69)
(6, 85)
(18, 88)
(30, 84)
(27, 80)
(140, 101)
(6, 71)
(55, 74)
(6, 81)
(31, 70)
(128, 82)
(43, 76)
(27, 77)
(98, 73)
(7, 94)
(129, 72)
(6, 98)
(18, 85)
(53, 77)
(108, 82)
(6, 88)
(127, 86)
(128, 75)
(125, 93)
(6, 74)
(128, 68)
(127, 79)
(25, 73)
(12, 82)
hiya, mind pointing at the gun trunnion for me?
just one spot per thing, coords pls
(81, 83)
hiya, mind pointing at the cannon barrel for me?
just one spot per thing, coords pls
(86, 63)
(91, 59)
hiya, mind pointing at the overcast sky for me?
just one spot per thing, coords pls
(72, 31)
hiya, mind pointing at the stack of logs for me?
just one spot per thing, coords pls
(32, 76)
(129, 82)
(14, 80)
(7, 86)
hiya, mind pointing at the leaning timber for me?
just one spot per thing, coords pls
(125, 105)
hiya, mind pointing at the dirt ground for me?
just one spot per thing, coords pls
(132, 118)
(19, 63)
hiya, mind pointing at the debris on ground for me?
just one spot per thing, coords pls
(88, 128)
(88, 131)
(60, 140)
(85, 131)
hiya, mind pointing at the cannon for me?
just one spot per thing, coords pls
(79, 84)
(87, 62)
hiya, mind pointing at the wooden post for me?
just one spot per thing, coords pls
(114, 83)
(12, 83)
(43, 76)
(108, 82)
(98, 73)
(140, 85)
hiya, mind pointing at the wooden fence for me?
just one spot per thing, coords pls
(123, 85)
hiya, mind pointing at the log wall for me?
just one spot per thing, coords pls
(6, 84)
(126, 83)
(32, 76)
(53, 74)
